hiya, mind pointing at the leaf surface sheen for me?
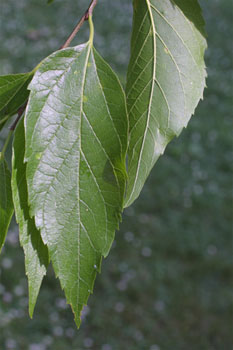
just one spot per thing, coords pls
(36, 253)
(166, 79)
(76, 139)
(6, 203)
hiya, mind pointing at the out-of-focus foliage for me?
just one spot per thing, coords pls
(166, 283)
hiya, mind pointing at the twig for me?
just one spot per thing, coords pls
(20, 113)
(84, 18)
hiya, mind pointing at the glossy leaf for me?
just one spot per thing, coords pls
(36, 253)
(166, 79)
(13, 94)
(76, 140)
(6, 204)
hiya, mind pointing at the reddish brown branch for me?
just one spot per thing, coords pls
(20, 113)
(84, 18)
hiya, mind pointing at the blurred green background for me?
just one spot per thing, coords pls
(166, 284)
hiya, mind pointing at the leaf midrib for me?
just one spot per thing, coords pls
(79, 159)
(150, 102)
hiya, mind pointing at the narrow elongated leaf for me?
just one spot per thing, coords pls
(6, 204)
(13, 94)
(166, 79)
(36, 253)
(76, 140)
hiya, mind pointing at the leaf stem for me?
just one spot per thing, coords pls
(84, 18)
(91, 37)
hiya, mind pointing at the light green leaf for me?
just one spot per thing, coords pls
(6, 204)
(13, 94)
(36, 253)
(193, 12)
(166, 79)
(76, 140)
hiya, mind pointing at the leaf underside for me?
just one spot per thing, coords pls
(36, 253)
(76, 139)
(6, 203)
(13, 94)
(166, 79)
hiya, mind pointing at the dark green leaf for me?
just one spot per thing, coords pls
(36, 253)
(166, 79)
(6, 204)
(76, 140)
(13, 94)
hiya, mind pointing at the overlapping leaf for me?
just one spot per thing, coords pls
(36, 253)
(6, 204)
(76, 140)
(13, 94)
(166, 79)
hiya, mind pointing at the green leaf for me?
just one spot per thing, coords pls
(6, 204)
(13, 94)
(36, 253)
(193, 12)
(166, 79)
(76, 140)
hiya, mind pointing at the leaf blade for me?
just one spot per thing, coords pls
(75, 171)
(6, 204)
(13, 94)
(166, 79)
(36, 253)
